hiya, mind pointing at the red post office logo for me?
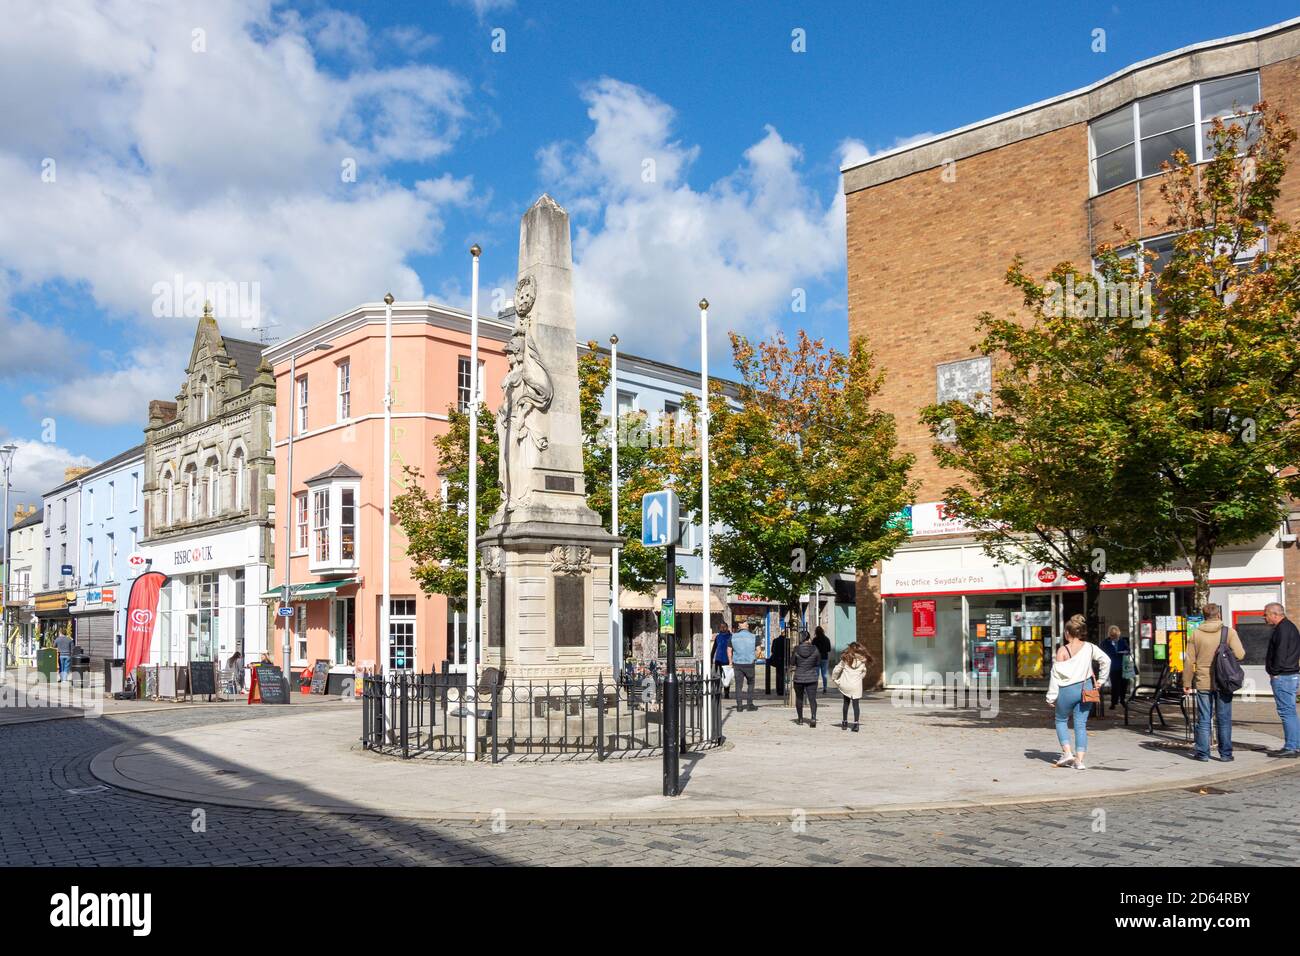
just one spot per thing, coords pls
(1046, 575)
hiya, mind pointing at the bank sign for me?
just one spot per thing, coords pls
(230, 549)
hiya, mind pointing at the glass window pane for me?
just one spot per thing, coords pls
(1111, 131)
(1234, 94)
(1159, 114)
(1159, 149)
(1115, 169)
(1253, 130)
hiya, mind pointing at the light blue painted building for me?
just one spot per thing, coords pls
(657, 389)
(111, 523)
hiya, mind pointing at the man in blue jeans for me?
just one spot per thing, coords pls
(1282, 662)
(63, 645)
(1198, 679)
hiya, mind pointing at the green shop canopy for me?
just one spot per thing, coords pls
(309, 592)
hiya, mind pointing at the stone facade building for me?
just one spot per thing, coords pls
(1047, 182)
(210, 501)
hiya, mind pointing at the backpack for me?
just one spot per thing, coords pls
(1225, 668)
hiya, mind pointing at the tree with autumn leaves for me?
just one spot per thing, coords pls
(805, 478)
(1165, 435)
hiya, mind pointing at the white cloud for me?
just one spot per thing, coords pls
(223, 165)
(38, 467)
(117, 396)
(482, 8)
(855, 151)
(645, 252)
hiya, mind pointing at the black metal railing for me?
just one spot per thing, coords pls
(410, 715)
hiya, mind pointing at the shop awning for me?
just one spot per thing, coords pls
(688, 600)
(309, 592)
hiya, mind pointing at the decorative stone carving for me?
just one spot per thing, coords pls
(493, 557)
(570, 559)
(526, 393)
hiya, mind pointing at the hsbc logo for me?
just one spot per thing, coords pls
(192, 555)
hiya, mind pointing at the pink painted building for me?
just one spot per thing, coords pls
(334, 516)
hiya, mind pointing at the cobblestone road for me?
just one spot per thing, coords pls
(53, 812)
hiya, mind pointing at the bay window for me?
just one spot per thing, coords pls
(334, 528)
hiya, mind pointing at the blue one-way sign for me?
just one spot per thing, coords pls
(659, 512)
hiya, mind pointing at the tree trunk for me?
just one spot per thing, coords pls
(1206, 541)
(1092, 606)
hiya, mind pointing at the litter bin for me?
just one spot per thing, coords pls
(47, 661)
(79, 672)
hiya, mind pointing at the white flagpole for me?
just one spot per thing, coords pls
(386, 562)
(705, 527)
(471, 604)
(615, 614)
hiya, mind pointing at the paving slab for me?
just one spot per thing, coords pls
(904, 759)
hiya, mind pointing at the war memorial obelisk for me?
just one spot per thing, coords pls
(545, 558)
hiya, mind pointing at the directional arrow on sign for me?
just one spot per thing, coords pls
(656, 513)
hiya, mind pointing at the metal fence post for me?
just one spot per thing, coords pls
(402, 717)
(600, 718)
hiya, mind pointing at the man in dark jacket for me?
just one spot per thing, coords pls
(777, 659)
(1282, 662)
(823, 645)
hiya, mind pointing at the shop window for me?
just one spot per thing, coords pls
(923, 635)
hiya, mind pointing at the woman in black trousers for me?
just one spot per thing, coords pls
(807, 670)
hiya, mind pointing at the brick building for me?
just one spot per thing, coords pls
(931, 229)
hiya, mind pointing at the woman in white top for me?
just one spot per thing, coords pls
(1071, 675)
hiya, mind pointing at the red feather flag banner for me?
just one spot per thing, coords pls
(141, 616)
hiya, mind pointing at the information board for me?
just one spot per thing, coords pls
(267, 686)
(320, 675)
(203, 677)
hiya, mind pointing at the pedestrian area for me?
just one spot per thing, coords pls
(905, 757)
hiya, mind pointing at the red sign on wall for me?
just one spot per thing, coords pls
(923, 613)
(1046, 575)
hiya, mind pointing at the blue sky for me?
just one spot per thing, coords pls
(211, 140)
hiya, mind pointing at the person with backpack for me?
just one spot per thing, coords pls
(721, 647)
(1212, 671)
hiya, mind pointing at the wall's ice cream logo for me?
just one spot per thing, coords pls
(141, 611)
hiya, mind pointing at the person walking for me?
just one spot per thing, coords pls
(1117, 648)
(823, 645)
(807, 667)
(780, 653)
(1282, 664)
(1072, 677)
(1198, 679)
(721, 645)
(741, 654)
(63, 645)
(850, 675)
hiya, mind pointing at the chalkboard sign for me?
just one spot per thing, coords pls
(320, 675)
(270, 684)
(203, 678)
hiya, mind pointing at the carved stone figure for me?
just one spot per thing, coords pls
(570, 559)
(526, 394)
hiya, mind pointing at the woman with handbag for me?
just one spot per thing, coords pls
(1073, 689)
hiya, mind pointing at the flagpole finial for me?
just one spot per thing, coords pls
(613, 340)
(388, 299)
(475, 251)
(704, 304)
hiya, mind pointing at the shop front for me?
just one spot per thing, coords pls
(98, 627)
(952, 612)
(209, 607)
(53, 613)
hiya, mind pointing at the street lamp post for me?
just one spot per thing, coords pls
(287, 590)
(6, 461)
(386, 560)
(705, 527)
(615, 615)
(471, 603)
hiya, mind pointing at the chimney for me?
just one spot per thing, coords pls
(75, 471)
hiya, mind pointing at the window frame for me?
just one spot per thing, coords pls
(301, 397)
(343, 405)
(1136, 136)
